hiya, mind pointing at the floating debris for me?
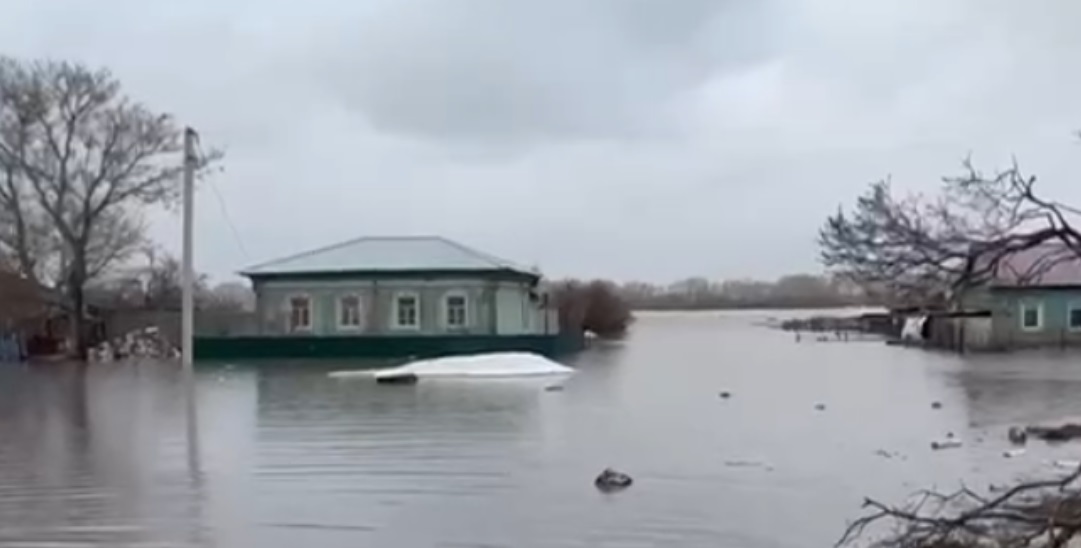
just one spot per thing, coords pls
(146, 343)
(610, 481)
(404, 378)
(1013, 453)
(948, 443)
(1017, 435)
(820, 406)
(554, 388)
(746, 464)
(1066, 463)
(1065, 432)
(936, 405)
(725, 395)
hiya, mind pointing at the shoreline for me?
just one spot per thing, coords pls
(755, 307)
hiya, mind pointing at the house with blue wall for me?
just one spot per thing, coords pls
(1033, 299)
(392, 296)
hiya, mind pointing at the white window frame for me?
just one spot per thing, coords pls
(1074, 305)
(395, 316)
(1039, 316)
(465, 309)
(340, 308)
(289, 313)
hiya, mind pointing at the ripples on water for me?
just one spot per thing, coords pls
(288, 457)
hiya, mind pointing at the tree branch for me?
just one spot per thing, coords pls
(1023, 513)
(918, 247)
(82, 156)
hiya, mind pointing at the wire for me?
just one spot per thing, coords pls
(221, 203)
(229, 221)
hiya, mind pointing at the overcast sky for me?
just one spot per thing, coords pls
(645, 139)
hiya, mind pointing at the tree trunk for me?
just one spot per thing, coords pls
(79, 341)
(77, 297)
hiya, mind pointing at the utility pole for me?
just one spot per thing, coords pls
(187, 276)
(187, 300)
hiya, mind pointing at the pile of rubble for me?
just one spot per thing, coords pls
(147, 343)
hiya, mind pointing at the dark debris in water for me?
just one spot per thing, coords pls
(407, 378)
(610, 481)
(1061, 433)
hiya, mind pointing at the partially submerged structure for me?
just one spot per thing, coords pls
(1033, 299)
(392, 296)
(32, 320)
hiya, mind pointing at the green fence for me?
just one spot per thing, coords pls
(300, 347)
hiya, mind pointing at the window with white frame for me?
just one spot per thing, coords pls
(300, 313)
(407, 310)
(1074, 318)
(1031, 316)
(349, 312)
(455, 310)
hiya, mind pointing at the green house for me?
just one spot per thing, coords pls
(390, 296)
(1032, 300)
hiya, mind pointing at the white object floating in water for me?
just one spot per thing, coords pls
(1013, 453)
(912, 330)
(949, 443)
(1064, 463)
(495, 364)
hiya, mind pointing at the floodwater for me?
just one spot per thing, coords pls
(287, 457)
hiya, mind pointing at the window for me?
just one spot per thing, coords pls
(455, 311)
(300, 314)
(1075, 317)
(349, 312)
(407, 311)
(1031, 317)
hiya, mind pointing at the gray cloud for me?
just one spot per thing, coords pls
(618, 138)
(493, 71)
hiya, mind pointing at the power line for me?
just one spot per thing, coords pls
(224, 210)
(229, 221)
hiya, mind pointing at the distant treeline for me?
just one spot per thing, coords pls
(605, 308)
(794, 291)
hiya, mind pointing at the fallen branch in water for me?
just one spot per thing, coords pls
(1044, 513)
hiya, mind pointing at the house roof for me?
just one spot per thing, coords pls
(1041, 266)
(20, 298)
(373, 254)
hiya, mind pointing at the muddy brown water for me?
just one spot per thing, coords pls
(287, 457)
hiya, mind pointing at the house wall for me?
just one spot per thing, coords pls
(1007, 331)
(979, 298)
(976, 333)
(492, 307)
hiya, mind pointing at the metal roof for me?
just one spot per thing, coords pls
(387, 253)
(1046, 265)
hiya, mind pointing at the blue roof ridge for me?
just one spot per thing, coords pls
(332, 247)
(494, 260)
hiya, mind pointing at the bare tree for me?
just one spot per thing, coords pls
(161, 281)
(154, 283)
(78, 161)
(228, 297)
(596, 306)
(914, 246)
(1034, 513)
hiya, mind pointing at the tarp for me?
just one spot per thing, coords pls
(913, 328)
